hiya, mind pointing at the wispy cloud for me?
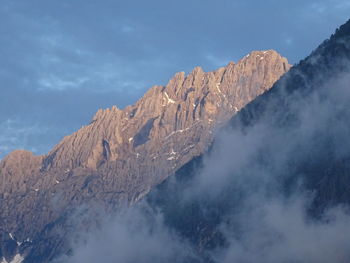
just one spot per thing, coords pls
(16, 134)
(55, 83)
(135, 235)
(112, 48)
(258, 190)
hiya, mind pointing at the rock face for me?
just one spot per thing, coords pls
(122, 154)
(306, 118)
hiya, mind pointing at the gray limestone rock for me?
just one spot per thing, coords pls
(122, 154)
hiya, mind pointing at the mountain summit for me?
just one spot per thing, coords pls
(122, 154)
(288, 186)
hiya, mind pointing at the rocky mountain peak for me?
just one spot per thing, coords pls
(199, 96)
(122, 153)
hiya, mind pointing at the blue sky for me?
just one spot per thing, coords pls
(62, 60)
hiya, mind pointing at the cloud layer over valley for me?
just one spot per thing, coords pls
(271, 191)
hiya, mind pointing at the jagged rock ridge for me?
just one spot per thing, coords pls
(122, 154)
(317, 159)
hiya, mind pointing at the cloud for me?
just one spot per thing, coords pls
(259, 187)
(271, 175)
(81, 48)
(281, 231)
(17, 134)
(54, 82)
(61, 61)
(38, 126)
(135, 235)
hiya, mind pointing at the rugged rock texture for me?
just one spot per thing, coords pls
(306, 117)
(122, 154)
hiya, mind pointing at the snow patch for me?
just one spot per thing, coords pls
(178, 131)
(218, 87)
(17, 259)
(142, 194)
(36, 190)
(131, 138)
(11, 236)
(219, 90)
(57, 182)
(173, 155)
(188, 147)
(169, 100)
(183, 130)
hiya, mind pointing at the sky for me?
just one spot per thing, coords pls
(63, 60)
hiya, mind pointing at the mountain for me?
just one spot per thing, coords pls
(122, 154)
(274, 186)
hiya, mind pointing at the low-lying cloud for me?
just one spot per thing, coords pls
(134, 235)
(281, 231)
(265, 218)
